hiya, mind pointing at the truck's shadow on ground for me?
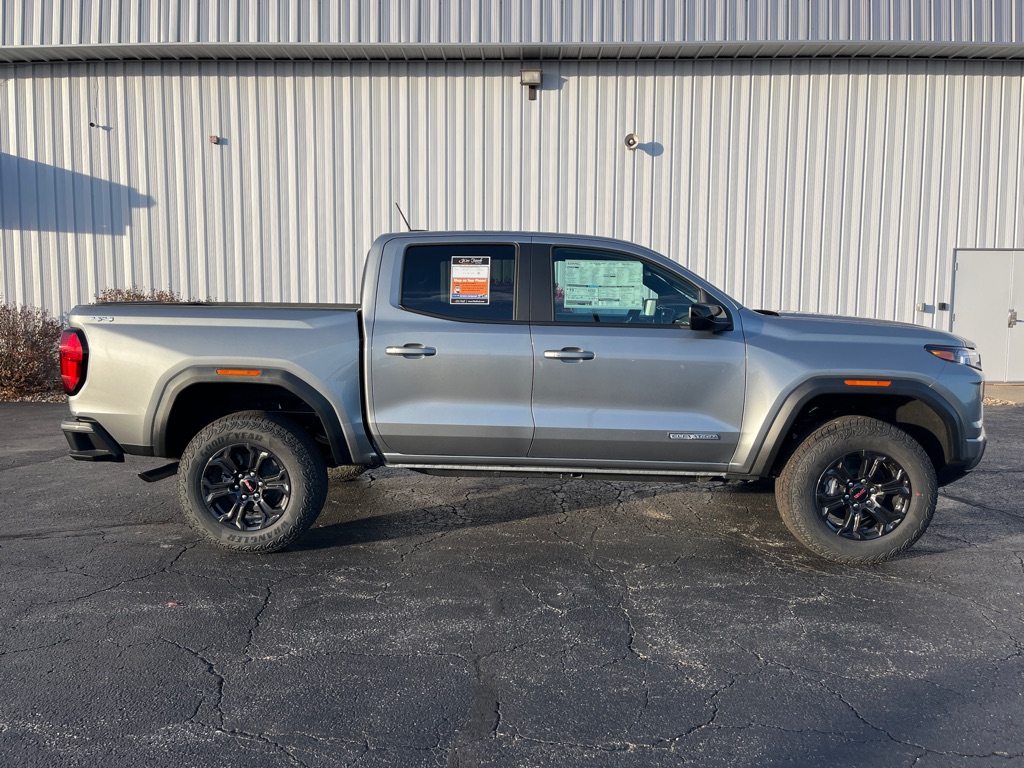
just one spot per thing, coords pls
(700, 509)
(743, 513)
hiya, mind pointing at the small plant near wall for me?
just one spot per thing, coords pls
(29, 343)
(135, 293)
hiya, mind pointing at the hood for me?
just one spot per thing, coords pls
(801, 323)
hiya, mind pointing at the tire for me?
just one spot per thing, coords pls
(267, 455)
(857, 490)
(345, 472)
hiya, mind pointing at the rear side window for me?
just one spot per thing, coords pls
(463, 282)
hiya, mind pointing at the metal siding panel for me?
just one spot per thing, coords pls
(1008, 139)
(933, 209)
(790, 268)
(737, 255)
(851, 208)
(814, 211)
(515, 21)
(911, 206)
(840, 186)
(778, 206)
(657, 164)
(750, 242)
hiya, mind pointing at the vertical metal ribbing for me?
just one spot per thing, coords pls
(512, 21)
(821, 186)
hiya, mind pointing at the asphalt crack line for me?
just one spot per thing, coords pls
(211, 668)
(67, 533)
(165, 569)
(262, 738)
(978, 505)
(484, 717)
(610, 748)
(915, 745)
(12, 651)
(257, 619)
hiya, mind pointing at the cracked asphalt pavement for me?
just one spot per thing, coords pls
(493, 622)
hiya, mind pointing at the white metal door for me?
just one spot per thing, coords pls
(988, 293)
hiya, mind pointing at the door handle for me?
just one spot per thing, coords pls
(411, 351)
(1012, 320)
(569, 354)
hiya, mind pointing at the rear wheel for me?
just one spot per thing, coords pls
(858, 490)
(252, 482)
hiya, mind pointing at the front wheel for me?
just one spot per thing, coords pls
(252, 482)
(857, 490)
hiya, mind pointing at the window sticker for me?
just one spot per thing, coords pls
(471, 280)
(603, 284)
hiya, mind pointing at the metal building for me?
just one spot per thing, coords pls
(838, 156)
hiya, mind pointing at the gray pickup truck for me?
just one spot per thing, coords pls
(530, 355)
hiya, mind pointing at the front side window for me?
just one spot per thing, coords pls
(593, 286)
(461, 282)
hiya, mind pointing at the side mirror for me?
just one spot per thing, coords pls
(709, 317)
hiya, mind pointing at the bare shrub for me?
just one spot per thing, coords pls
(29, 352)
(135, 293)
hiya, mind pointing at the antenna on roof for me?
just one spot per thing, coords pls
(407, 224)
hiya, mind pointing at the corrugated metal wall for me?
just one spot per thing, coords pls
(834, 186)
(89, 22)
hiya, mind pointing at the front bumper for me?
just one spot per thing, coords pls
(90, 442)
(973, 449)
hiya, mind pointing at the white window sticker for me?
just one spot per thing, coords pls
(603, 284)
(471, 280)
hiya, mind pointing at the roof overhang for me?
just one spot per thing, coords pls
(753, 49)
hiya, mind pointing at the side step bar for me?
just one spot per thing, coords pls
(159, 473)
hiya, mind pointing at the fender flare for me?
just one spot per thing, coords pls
(341, 432)
(770, 439)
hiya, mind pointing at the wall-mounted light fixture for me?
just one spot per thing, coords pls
(532, 79)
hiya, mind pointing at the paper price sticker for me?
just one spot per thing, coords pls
(471, 280)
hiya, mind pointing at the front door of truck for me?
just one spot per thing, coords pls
(451, 362)
(618, 374)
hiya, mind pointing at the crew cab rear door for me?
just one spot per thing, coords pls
(619, 376)
(450, 356)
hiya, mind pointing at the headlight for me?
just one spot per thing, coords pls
(961, 355)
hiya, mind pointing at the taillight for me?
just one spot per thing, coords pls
(73, 356)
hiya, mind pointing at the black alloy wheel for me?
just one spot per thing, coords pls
(245, 487)
(864, 495)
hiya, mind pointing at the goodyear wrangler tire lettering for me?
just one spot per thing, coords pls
(252, 482)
